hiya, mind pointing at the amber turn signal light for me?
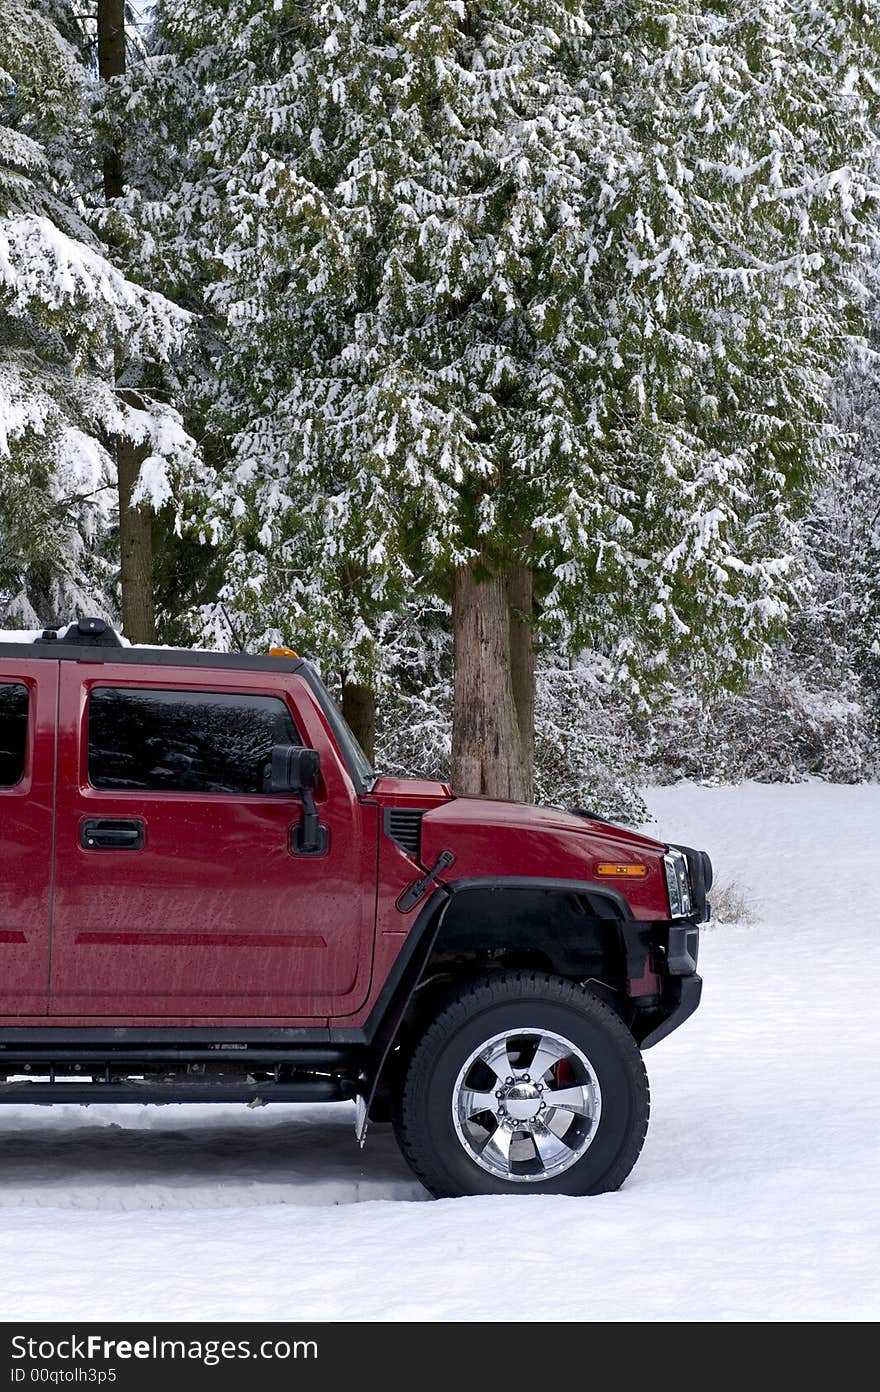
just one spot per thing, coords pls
(282, 652)
(622, 872)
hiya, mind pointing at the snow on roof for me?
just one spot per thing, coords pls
(35, 635)
(20, 635)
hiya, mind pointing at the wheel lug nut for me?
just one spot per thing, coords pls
(509, 1081)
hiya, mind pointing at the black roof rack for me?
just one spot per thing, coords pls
(95, 640)
(97, 633)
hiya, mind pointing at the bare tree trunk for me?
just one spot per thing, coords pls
(486, 747)
(522, 665)
(135, 524)
(359, 709)
(111, 63)
(135, 547)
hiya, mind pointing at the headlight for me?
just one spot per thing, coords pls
(678, 884)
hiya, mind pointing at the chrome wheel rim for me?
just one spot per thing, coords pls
(526, 1105)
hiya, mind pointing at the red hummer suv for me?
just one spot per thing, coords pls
(209, 895)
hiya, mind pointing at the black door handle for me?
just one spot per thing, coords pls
(107, 834)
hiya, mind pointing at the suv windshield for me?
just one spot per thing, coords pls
(359, 765)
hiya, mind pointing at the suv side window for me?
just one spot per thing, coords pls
(13, 732)
(184, 741)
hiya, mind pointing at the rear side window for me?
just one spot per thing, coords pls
(13, 732)
(184, 741)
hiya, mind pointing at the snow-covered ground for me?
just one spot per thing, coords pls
(757, 1195)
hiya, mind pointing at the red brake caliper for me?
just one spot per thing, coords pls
(564, 1074)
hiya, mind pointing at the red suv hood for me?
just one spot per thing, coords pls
(526, 816)
(502, 814)
(504, 840)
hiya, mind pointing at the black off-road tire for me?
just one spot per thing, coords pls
(488, 1006)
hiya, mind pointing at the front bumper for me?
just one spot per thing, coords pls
(682, 948)
(674, 949)
(682, 996)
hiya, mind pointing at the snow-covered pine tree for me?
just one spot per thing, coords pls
(813, 707)
(844, 527)
(527, 284)
(64, 311)
(315, 552)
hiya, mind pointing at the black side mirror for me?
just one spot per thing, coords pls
(296, 771)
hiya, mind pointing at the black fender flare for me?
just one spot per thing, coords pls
(382, 1027)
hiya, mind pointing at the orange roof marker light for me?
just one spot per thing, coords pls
(622, 872)
(282, 652)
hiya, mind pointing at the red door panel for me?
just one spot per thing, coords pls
(212, 916)
(28, 702)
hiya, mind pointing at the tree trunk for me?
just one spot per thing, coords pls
(486, 747)
(359, 709)
(135, 524)
(135, 547)
(111, 63)
(522, 664)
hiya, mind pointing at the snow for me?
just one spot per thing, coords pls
(35, 635)
(21, 635)
(757, 1196)
(41, 265)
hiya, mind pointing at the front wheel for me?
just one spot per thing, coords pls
(524, 1083)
